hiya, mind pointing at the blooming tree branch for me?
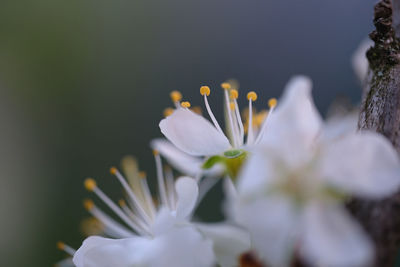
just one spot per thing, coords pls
(380, 111)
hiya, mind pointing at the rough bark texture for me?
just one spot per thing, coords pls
(380, 111)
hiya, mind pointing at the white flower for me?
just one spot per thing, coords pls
(292, 188)
(197, 137)
(156, 235)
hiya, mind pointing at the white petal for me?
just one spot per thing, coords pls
(180, 160)
(178, 247)
(103, 252)
(182, 247)
(332, 238)
(230, 198)
(193, 134)
(164, 221)
(363, 163)
(295, 124)
(339, 126)
(273, 225)
(187, 191)
(258, 174)
(229, 242)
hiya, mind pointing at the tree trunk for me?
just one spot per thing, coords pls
(380, 112)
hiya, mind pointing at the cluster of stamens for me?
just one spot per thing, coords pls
(253, 127)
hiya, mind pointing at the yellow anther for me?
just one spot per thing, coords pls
(142, 174)
(259, 118)
(90, 184)
(252, 95)
(232, 106)
(122, 203)
(176, 96)
(234, 94)
(197, 110)
(88, 204)
(113, 170)
(272, 102)
(60, 245)
(168, 111)
(205, 90)
(226, 86)
(91, 226)
(185, 104)
(155, 152)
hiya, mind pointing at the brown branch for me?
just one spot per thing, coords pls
(380, 111)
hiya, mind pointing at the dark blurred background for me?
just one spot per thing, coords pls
(83, 83)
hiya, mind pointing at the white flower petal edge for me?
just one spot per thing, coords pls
(187, 191)
(333, 238)
(189, 249)
(295, 123)
(273, 226)
(229, 242)
(180, 160)
(98, 251)
(339, 126)
(193, 134)
(364, 164)
(230, 196)
(261, 171)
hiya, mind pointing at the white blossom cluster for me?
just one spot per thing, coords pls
(287, 177)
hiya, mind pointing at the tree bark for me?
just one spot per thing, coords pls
(380, 112)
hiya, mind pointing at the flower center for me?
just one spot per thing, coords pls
(232, 160)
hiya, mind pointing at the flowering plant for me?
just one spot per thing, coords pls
(286, 187)
(288, 177)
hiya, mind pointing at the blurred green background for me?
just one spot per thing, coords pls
(83, 83)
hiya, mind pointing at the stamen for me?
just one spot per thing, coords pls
(147, 195)
(240, 122)
(112, 206)
(131, 194)
(134, 218)
(62, 246)
(215, 122)
(92, 226)
(229, 113)
(185, 104)
(226, 86)
(160, 179)
(232, 106)
(272, 104)
(88, 204)
(90, 184)
(168, 112)
(131, 170)
(205, 90)
(176, 97)
(197, 110)
(251, 96)
(234, 94)
(117, 230)
(169, 177)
